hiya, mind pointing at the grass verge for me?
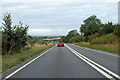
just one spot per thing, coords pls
(11, 60)
(100, 47)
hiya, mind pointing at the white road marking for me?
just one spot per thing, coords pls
(27, 64)
(94, 65)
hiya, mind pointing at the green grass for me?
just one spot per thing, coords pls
(11, 60)
(100, 47)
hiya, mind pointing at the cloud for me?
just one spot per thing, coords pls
(63, 1)
(39, 30)
(51, 17)
(48, 32)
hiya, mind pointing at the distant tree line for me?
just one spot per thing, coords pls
(91, 28)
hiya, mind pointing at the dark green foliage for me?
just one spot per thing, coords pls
(13, 38)
(91, 25)
(117, 31)
(106, 28)
(77, 38)
(71, 34)
(104, 35)
(63, 38)
(96, 32)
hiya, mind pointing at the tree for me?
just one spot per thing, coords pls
(71, 34)
(13, 38)
(7, 33)
(91, 25)
(106, 28)
(20, 35)
(77, 38)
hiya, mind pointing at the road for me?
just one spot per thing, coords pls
(70, 61)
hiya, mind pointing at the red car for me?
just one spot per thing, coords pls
(60, 44)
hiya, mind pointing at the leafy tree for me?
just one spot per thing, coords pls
(77, 38)
(13, 38)
(106, 28)
(91, 25)
(71, 34)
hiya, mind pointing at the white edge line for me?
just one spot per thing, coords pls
(114, 74)
(26, 64)
(75, 52)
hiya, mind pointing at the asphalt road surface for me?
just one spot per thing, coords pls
(70, 61)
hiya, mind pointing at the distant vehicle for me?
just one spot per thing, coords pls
(60, 44)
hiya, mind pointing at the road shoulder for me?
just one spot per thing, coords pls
(9, 71)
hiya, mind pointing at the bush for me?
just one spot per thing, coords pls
(93, 36)
(117, 31)
(106, 39)
(40, 41)
(32, 42)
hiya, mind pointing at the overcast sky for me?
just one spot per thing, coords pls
(58, 17)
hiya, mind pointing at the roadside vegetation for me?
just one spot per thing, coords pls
(17, 45)
(96, 34)
(105, 39)
(0, 39)
(112, 48)
(0, 50)
(10, 60)
(13, 37)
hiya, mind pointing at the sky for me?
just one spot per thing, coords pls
(57, 17)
